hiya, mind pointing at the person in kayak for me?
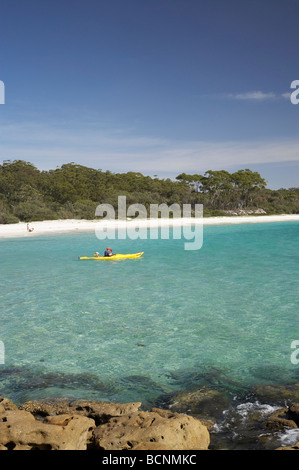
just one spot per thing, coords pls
(108, 252)
(96, 255)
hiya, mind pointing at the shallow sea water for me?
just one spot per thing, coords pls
(223, 316)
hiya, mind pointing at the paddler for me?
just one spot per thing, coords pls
(108, 252)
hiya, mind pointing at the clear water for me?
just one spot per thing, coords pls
(134, 330)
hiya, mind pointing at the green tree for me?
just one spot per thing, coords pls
(194, 181)
(218, 185)
(15, 174)
(246, 184)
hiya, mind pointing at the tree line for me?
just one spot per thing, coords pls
(73, 192)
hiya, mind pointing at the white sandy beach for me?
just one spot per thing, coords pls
(53, 227)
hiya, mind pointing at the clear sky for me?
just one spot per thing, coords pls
(155, 86)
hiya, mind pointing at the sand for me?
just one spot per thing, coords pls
(53, 227)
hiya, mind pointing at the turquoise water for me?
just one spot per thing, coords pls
(134, 330)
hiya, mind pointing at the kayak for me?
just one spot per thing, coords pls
(113, 257)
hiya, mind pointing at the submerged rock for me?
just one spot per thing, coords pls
(278, 394)
(37, 382)
(203, 403)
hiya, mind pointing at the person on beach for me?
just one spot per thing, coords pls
(108, 252)
(29, 229)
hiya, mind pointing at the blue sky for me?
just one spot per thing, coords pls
(156, 86)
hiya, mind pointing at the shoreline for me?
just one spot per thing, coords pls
(64, 226)
(43, 424)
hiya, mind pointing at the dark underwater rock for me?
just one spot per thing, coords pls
(278, 394)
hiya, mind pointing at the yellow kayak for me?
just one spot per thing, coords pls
(113, 257)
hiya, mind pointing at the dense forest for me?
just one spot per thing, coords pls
(74, 191)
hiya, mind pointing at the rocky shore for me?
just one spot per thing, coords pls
(64, 424)
(92, 425)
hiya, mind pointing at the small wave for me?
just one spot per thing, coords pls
(289, 437)
(243, 427)
(247, 409)
(242, 413)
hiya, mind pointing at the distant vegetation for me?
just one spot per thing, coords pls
(74, 191)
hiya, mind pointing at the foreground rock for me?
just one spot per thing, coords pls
(158, 429)
(99, 411)
(285, 418)
(19, 430)
(91, 425)
(282, 419)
